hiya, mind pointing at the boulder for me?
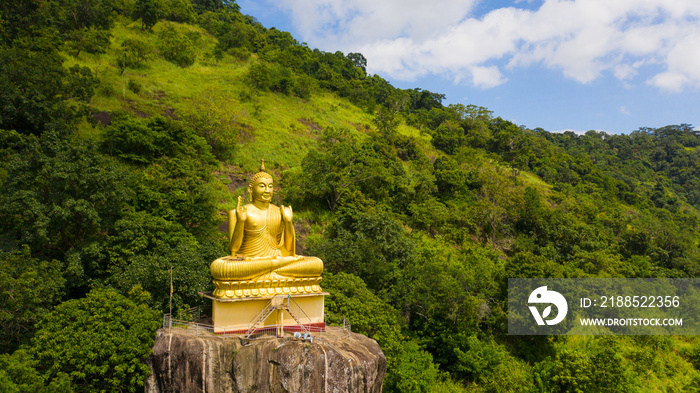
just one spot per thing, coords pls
(338, 362)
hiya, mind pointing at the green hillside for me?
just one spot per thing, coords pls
(215, 96)
(128, 128)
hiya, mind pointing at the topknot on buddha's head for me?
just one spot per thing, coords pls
(259, 175)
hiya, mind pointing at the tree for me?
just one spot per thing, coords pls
(79, 86)
(143, 141)
(527, 265)
(18, 374)
(89, 40)
(21, 279)
(133, 53)
(38, 93)
(445, 295)
(358, 60)
(386, 118)
(351, 300)
(149, 12)
(498, 200)
(368, 243)
(414, 371)
(175, 47)
(448, 137)
(101, 341)
(59, 198)
(339, 167)
(202, 6)
(409, 369)
(143, 248)
(424, 99)
(181, 11)
(480, 358)
(451, 180)
(30, 26)
(511, 142)
(579, 370)
(79, 14)
(181, 191)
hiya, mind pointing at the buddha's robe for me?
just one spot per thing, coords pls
(262, 254)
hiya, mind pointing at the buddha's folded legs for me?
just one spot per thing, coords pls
(229, 268)
(302, 267)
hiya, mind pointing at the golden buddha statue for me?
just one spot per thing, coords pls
(263, 261)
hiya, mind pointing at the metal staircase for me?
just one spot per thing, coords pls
(260, 318)
(277, 302)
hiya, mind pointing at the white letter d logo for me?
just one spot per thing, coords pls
(542, 295)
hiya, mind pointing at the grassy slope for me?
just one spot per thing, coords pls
(273, 126)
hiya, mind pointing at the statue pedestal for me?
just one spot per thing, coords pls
(283, 312)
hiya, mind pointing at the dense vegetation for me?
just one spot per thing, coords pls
(127, 127)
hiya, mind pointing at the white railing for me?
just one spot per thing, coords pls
(198, 329)
(315, 331)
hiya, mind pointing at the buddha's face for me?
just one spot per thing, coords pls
(262, 189)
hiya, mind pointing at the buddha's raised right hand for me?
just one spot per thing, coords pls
(241, 211)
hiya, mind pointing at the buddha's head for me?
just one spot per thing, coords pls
(260, 186)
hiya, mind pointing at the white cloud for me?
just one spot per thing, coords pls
(625, 111)
(486, 77)
(624, 71)
(670, 81)
(683, 64)
(583, 39)
(354, 22)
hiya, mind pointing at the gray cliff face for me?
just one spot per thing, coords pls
(182, 363)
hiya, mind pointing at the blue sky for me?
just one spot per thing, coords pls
(609, 65)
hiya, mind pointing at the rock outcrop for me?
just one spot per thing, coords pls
(345, 362)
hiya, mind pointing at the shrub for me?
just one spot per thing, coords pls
(134, 86)
(88, 40)
(133, 53)
(240, 54)
(179, 11)
(176, 48)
